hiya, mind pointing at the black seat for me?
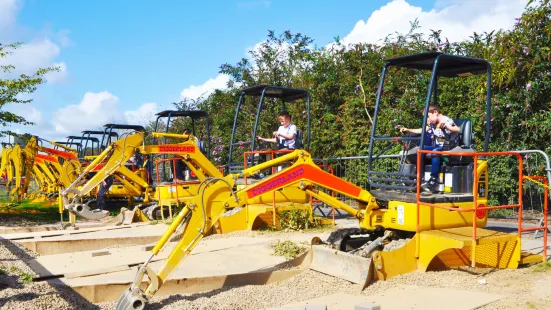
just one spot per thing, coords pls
(298, 140)
(202, 147)
(465, 143)
(466, 135)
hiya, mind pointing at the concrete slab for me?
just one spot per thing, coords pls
(91, 263)
(248, 264)
(212, 257)
(94, 239)
(406, 297)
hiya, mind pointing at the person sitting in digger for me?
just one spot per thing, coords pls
(440, 129)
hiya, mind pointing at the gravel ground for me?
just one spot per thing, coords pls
(17, 292)
(522, 288)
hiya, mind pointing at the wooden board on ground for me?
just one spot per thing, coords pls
(406, 297)
(117, 259)
(55, 233)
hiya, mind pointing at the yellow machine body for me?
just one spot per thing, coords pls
(444, 239)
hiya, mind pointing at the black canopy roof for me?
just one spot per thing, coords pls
(283, 93)
(448, 65)
(176, 113)
(124, 126)
(94, 139)
(98, 132)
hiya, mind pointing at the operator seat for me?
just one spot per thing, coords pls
(202, 147)
(298, 140)
(465, 145)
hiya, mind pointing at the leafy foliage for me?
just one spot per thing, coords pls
(13, 89)
(287, 249)
(297, 220)
(343, 82)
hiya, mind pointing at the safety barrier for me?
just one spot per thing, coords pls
(479, 211)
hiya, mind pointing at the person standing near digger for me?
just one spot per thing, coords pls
(102, 190)
(440, 129)
(285, 135)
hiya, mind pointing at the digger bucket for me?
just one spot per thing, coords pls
(353, 268)
(84, 211)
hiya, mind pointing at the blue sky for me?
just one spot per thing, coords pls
(123, 60)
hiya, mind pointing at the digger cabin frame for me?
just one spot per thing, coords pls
(456, 171)
(285, 95)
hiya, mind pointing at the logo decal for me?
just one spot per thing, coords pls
(277, 182)
(176, 148)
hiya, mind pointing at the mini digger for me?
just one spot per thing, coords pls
(399, 230)
(135, 178)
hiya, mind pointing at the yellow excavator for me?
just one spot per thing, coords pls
(138, 183)
(400, 230)
(18, 166)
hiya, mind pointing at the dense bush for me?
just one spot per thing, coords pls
(343, 82)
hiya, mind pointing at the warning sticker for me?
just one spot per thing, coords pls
(401, 215)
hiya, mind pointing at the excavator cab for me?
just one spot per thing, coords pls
(177, 121)
(114, 130)
(398, 180)
(95, 147)
(271, 101)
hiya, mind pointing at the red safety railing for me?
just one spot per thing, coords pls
(479, 211)
(174, 183)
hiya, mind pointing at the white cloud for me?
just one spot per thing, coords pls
(57, 77)
(38, 51)
(205, 89)
(8, 11)
(94, 109)
(143, 115)
(98, 109)
(457, 19)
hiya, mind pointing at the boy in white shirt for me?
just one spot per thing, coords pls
(285, 135)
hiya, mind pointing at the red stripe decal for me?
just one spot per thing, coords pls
(304, 172)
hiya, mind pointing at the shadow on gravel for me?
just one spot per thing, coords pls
(18, 297)
(167, 301)
(10, 281)
(68, 294)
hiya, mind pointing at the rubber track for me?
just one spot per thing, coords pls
(338, 235)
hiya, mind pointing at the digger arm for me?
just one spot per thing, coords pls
(70, 166)
(68, 149)
(202, 211)
(118, 153)
(3, 159)
(44, 168)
